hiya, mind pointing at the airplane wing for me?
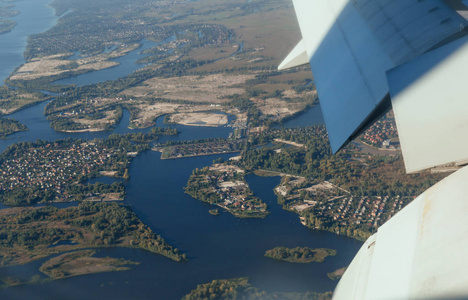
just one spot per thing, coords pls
(369, 55)
(420, 253)
(352, 45)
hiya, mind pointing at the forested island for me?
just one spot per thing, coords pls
(7, 12)
(6, 25)
(240, 288)
(300, 254)
(82, 262)
(10, 126)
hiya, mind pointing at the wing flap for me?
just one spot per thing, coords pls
(350, 46)
(296, 58)
(429, 101)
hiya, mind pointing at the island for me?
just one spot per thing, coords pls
(224, 185)
(300, 254)
(240, 288)
(337, 274)
(6, 25)
(82, 263)
(10, 126)
(7, 12)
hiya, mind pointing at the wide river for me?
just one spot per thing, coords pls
(217, 246)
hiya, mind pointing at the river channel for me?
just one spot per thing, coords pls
(217, 246)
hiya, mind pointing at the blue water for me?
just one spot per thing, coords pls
(218, 246)
(39, 128)
(35, 17)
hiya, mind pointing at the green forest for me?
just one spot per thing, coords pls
(27, 233)
(300, 254)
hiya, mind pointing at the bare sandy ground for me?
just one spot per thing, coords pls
(211, 89)
(199, 119)
(57, 64)
(226, 168)
(289, 143)
(278, 108)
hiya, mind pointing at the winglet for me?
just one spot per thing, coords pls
(297, 57)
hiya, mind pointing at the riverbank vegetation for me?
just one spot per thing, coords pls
(240, 288)
(28, 233)
(300, 254)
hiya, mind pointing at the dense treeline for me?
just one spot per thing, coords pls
(151, 136)
(300, 254)
(363, 175)
(200, 188)
(240, 288)
(360, 232)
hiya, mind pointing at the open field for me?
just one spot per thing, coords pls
(199, 119)
(82, 263)
(268, 29)
(208, 89)
(56, 65)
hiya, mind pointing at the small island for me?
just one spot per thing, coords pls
(224, 185)
(82, 263)
(214, 212)
(300, 254)
(10, 126)
(337, 274)
(240, 288)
